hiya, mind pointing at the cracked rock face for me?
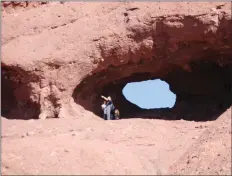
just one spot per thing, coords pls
(58, 58)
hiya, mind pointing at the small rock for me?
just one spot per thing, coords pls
(213, 9)
(22, 136)
(199, 126)
(30, 133)
(66, 151)
(194, 156)
(73, 134)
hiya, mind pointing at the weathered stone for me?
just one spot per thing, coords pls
(82, 50)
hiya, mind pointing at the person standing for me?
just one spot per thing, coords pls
(109, 107)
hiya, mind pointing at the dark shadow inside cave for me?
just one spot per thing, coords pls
(15, 103)
(203, 93)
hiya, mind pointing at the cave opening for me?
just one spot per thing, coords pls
(203, 92)
(150, 94)
(15, 93)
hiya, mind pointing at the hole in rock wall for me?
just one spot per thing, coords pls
(203, 92)
(150, 94)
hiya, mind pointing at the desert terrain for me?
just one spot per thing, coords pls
(59, 57)
(126, 146)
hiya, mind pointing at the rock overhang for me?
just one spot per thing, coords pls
(138, 42)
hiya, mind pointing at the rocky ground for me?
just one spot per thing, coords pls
(133, 146)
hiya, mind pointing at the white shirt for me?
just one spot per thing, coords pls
(104, 108)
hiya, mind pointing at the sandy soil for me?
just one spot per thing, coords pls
(132, 146)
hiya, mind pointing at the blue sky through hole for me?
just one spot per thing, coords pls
(150, 94)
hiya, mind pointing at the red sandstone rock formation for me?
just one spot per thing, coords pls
(59, 57)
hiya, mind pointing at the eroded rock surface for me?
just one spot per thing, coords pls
(58, 58)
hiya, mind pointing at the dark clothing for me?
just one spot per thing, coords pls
(110, 110)
(104, 116)
(113, 114)
(109, 103)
